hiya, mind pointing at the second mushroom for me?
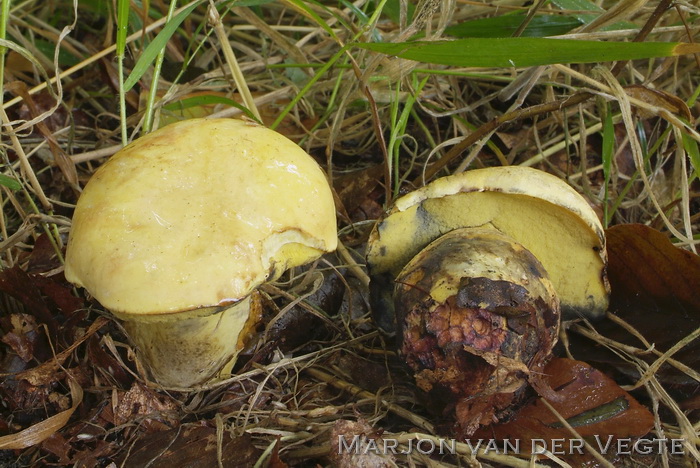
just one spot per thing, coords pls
(471, 272)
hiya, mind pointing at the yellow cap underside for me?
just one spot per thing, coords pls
(561, 241)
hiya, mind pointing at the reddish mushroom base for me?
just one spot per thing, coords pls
(477, 360)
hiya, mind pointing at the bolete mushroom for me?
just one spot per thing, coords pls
(176, 231)
(471, 271)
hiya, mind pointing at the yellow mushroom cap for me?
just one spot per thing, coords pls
(536, 209)
(198, 214)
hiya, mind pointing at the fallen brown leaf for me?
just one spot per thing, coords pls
(150, 410)
(343, 434)
(39, 432)
(45, 373)
(644, 266)
(655, 291)
(192, 446)
(590, 402)
(658, 98)
(22, 337)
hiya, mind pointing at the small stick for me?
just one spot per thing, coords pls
(354, 268)
(362, 393)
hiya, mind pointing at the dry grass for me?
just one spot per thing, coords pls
(60, 121)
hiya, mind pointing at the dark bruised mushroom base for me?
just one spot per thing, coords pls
(474, 342)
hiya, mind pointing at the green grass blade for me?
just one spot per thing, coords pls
(398, 128)
(392, 9)
(585, 5)
(10, 182)
(206, 100)
(578, 5)
(312, 14)
(506, 25)
(122, 27)
(526, 51)
(246, 3)
(158, 44)
(691, 147)
(302, 92)
(5, 13)
(153, 91)
(607, 153)
(65, 58)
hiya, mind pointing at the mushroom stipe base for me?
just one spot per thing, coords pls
(185, 352)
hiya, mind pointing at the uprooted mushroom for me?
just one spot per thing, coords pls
(176, 231)
(471, 271)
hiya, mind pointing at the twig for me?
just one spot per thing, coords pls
(354, 268)
(357, 391)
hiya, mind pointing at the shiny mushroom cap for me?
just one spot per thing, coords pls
(198, 214)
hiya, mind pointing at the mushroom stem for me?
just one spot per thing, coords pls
(184, 352)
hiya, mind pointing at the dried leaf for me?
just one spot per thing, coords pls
(59, 294)
(154, 411)
(298, 325)
(22, 337)
(43, 257)
(644, 267)
(354, 192)
(372, 374)
(61, 159)
(192, 446)
(275, 460)
(18, 284)
(57, 445)
(344, 432)
(90, 456)
(658, 98)
(47, 372)
(41, 431)
(655, 290)
(101, 359)
(591, 402)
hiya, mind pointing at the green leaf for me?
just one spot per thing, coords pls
(10, 182)
(151, 52)
(525, 51)
(691, 147)
(392, 9)
(577, 5)
(607, 155)
(65, 58)
(247, 3)
(204, 100)
(506, 25)
(122, 25)
(313, 15)
(585, 5)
